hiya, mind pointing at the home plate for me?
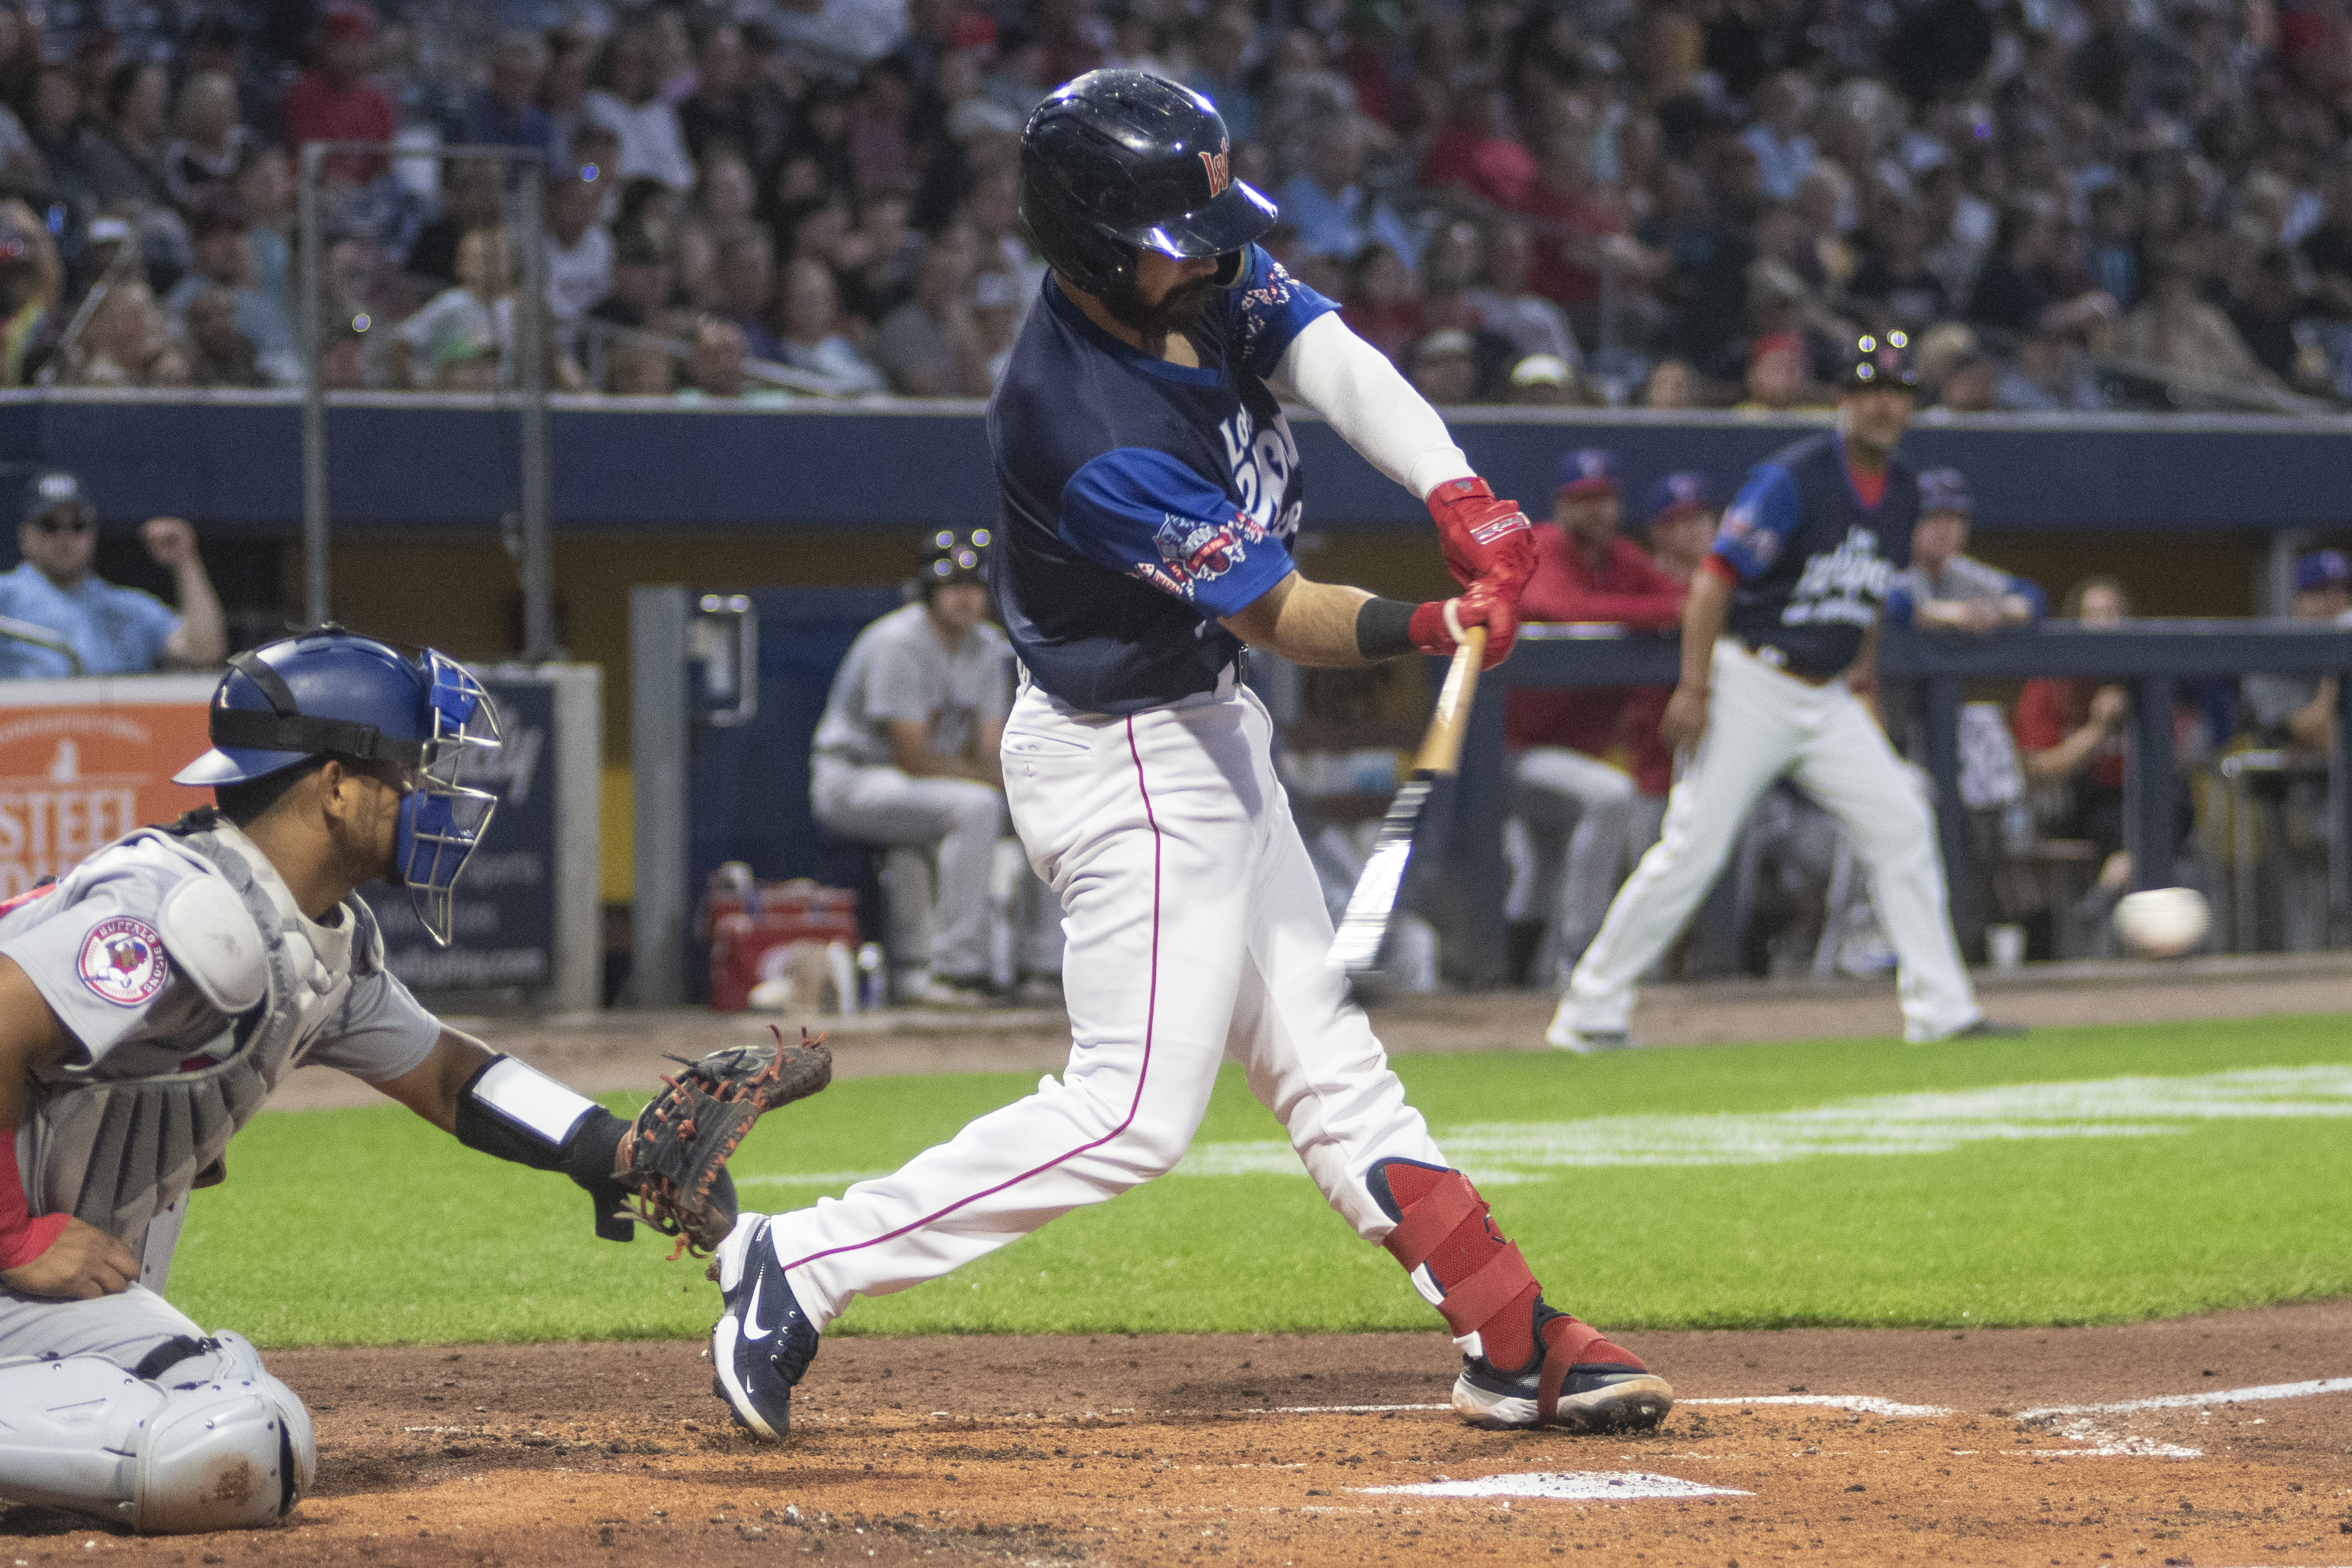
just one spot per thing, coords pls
(1571, 1486)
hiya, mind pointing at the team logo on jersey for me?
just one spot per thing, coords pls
(123, 961)
(1841, 587)
(1220, 170)
(1192, 553)
(1739, 532)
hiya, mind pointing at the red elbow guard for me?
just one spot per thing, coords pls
(23, 1237)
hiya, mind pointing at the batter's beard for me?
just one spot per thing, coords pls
(1178, 311)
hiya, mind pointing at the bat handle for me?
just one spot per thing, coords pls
(1441, 747)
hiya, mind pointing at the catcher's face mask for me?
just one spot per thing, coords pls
(442, 820)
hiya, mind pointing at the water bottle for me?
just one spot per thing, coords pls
(872, 978)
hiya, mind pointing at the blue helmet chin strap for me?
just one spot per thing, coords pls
(442, 820)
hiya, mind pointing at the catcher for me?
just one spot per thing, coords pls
(150, 1000)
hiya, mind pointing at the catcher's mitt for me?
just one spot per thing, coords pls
(674, 1156)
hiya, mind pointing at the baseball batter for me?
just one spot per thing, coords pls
(1149, 489)
(150, 1000)
(1781, 628)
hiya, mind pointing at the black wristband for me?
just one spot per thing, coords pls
(1384, 629)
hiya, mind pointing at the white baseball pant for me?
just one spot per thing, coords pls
(963, 817)
(1196, 929)
(1762, 725)
(1579, 813)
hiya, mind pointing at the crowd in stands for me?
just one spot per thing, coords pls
(2067, 204)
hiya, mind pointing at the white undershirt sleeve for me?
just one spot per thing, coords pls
(1371, 405)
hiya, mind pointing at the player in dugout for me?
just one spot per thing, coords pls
(112, 630)
(1779, 636)
(1150, 488)
(1578, 806)
(152, 999)
(906, 755)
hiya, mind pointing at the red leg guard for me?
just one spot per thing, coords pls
(1489, 1289)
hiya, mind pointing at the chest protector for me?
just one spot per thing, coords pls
(116, 1152)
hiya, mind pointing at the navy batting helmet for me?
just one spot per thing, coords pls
(1881, 360)
(330, 692)
(1118, 160)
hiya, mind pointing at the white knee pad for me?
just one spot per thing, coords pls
(211, 1442)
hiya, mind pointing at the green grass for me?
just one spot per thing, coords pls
(367, 1226)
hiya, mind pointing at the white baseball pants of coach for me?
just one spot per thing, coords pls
(1196, 930)
(1762, 725)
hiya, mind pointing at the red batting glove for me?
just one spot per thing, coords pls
(1482, 539)
(1438, 625)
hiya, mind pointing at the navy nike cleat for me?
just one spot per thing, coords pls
(763, 1342)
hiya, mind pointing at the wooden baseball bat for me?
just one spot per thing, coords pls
(1356, 947)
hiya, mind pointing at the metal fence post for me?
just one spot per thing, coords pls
(2151, 783)
(316, 606)
(531, 345)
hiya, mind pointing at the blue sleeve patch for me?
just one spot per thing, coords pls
(1268, 309)
(1759, 522)
(1146, 515)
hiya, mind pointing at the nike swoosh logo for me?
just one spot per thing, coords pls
(751, 1329)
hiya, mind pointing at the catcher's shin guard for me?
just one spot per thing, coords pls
(1524, 1364)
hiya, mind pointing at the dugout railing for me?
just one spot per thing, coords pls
(2151, 659)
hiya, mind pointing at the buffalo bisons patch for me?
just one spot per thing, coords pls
(123, 961)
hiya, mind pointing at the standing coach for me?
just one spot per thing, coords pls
(1779, 639)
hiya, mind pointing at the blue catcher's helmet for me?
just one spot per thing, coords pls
(330, 691)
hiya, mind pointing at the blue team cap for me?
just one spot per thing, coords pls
(2322, 569)
(1590, 471)
(1676, 496)
(1944, 490)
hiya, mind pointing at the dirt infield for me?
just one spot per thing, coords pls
(1805, 1447)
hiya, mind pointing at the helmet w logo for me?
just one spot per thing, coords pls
(1220, 168)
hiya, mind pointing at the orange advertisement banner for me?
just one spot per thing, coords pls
(76, 774)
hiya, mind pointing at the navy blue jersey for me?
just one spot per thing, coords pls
(1814, 563)
(1143, 501)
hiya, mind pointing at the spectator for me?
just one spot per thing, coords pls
(734, 106)
(31, 278)
(643, 283)
(1784, 153)
(2070, 732)
(906, 754)
(2177, 330)
(263, 190)
(2011, 295)
(716, 366)
(722, 214)
(225, 259)
(1672, 384)
(504, 112)
(224, 357)
(2298, 711)
(1382, 306)
(128, 162)
(1779, 376)
(120, 341)
(461, 321)
(1577, 808)
(627, 102)
(1477, 155)
(472, 196)
(115, 631)
(333, 100)
(1543, 381)
(579, 249)
(640, 370)
(1328, 203)
(2265, 309)
(1505, 303)
(812, 339)
(208, 145)
(1219, 53)
(1445, 367)
(743, 288)
(929, 346)
(564, 98)
(1895, 276)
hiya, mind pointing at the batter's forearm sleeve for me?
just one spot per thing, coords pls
(1372, 406)
(1384, 629)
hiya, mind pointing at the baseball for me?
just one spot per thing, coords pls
(2163, 921)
